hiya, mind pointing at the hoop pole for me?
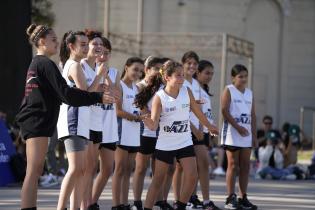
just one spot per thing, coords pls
(223, 73)
(106, 17)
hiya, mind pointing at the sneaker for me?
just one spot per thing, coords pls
(194, 202)
(290, 177)
(127, 207)
(133, 207)
(245, 204)
(219, 171)
(210, 206)
(167, 206)
(50, 181)
(94, 206)
(43, 178)
(231, 202)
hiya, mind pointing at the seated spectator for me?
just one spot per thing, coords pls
(292, 142)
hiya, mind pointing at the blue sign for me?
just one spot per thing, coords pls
(6, 151)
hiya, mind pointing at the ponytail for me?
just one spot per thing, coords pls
(68, 37)
(144, 96)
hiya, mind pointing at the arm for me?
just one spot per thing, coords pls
(253, 126)
(100, 74)
(66, 94)
(226, 101)
(195, 108)
(153, 122)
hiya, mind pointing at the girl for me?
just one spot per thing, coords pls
(110, 130)
(129, 133)
(73, 122)
(96, 111)
(204, 75)
(148, 138)
(170, 110)
(190, 62)
(45, 89)
(238, 135)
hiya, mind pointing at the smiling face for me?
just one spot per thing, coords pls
(133, 71)
(190, 67)
(96, 48)
(176, 78)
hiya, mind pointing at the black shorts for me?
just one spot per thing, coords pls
(168, 156)
(207, 138)
(233, 148)
(129, 148)
(196, 141)
(110, 146)
(147, 145)
(96, 136)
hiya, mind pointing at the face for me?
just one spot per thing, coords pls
(267, 124)
(133, 72)
(105, 56)
(95, 48)
(154, 69)
(80, 48)
(190, 66)
(49, 44)
(205, 76)
(176, 79)
(240, 80)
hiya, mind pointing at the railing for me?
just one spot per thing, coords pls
(302, 114)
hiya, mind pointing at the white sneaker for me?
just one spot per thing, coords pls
(43, 178)
(219, 171)
(290, 177)
(50, 181)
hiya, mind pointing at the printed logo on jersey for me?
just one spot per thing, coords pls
(177, 127)
(208, 114)
(237, 101)
(170, 109)
(185, 106)
(129, 96)
(244, 119)
(248, 102)
(105, 106)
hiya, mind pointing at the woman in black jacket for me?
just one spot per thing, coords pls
(45, 89)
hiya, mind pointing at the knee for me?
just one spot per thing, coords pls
(141, 169)
(76, 171)
(191, 176)
(119, 170)
(233, 166)
(106, 171)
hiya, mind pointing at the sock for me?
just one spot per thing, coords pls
(159, 203)
(181, 206)
(147, 208)
(138, 204)
(32, 208)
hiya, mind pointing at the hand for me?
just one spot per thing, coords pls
(113, 91)
(102, 70)
(201, 101)
(214, 131)
(242, 131)
(255, 143)
(199, 135)
(107, 98)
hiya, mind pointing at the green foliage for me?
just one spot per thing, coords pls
(41, 12)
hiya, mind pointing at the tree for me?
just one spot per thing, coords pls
(41, 12)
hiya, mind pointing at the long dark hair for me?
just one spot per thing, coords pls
(155, 82)
(237, 69)
(203, 64)
(69, 37)
(129, 62)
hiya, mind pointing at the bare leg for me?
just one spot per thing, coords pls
(244, 170)
(106, 169)
(142, 161)
(202, 159)
(36, 149)
(233, 163)
(177, 181)
(126, 178)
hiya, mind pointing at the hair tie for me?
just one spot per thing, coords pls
(40, 32)
(161, 71)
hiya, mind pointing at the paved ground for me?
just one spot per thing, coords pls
(267, 194)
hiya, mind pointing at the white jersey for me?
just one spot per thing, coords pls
(174, 123)
(196, 91)
(73, 120)
(110, 125)
(129, 131)
(240, 110)
(145, 131)
(96, 110)
(206, 108)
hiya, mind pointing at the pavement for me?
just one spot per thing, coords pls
(267, 194)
